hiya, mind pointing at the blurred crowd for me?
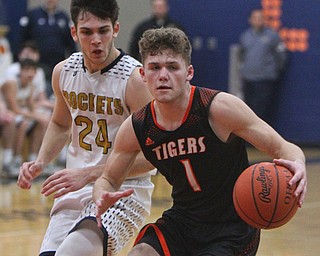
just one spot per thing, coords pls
(26, 94)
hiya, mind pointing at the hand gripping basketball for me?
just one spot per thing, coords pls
(262, 196)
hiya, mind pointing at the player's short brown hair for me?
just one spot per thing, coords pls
(155, 41)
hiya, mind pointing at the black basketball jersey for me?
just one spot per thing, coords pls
(201, 168)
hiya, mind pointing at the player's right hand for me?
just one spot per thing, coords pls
(107, 199)
(28, 172)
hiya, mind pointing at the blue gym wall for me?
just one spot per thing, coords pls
(213, 26)
(13, 10)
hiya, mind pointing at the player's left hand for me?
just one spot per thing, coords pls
(106, 200)
(298, 168)
(63, 182)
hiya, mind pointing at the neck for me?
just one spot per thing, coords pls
(170, 115)
(112, 55)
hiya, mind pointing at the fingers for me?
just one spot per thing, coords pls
(299, 177)
(113, 197)
(58, 189)
(124, 193)
(27, 173)
(51, 184)
(56, 184)
(107, 199)
(283, 162)
(98, 215)
(301, 192)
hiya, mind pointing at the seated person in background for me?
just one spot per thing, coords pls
(7, 131)
(29, 50)
(18, 94)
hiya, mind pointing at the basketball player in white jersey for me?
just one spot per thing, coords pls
(95, 91)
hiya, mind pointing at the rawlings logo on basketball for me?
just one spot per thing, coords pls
(266, 182)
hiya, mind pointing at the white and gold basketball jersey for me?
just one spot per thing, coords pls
(98, 107)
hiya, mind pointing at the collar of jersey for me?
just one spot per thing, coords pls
(107, 68)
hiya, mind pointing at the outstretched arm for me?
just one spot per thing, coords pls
(116, 169)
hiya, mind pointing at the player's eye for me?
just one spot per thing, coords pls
(104, 31)
(172, 67)
(86, 32)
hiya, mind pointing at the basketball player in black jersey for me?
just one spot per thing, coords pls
(196, 138)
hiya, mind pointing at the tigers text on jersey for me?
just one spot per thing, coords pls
(201, 168)
(98, 107)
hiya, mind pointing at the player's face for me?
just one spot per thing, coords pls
(167, 76)
(160, 8)
(27, 74)
(96, 39)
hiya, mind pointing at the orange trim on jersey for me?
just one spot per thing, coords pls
(193, 88)
(160, 236)
(154, 116)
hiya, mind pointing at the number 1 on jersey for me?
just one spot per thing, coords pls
(190, 175)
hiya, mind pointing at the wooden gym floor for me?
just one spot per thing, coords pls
(24, 216)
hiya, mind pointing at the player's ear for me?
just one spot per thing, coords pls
(74, 33)
(142, 74)
(190, 73)
(116, 29)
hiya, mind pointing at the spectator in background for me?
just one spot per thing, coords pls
(7, 129)
(5, 51)
(18, 95)
(48, 26)
(42, 104)
(263, 58)
(29, 50)
(159, 18)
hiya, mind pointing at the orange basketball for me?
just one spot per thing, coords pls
(262, 196)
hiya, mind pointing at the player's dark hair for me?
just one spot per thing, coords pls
(28, 63)
(155, 41)
(29, 44)
(103, 9)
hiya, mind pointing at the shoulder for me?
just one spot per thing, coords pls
(228, 110)
(124, 66)
(13, 69)
(12, 72)
(144, 24)
(225, 114)
(137, 93)
(74, 61)
(36, 12)
(225, 102)
(59, 67)
(135, 81)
